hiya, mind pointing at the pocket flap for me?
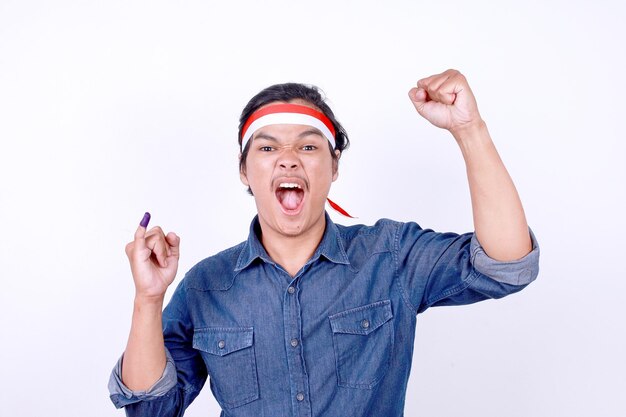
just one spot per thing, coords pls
(221, 341)
(362, 320)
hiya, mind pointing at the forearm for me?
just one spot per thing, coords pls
(144, 357)
(499, 220)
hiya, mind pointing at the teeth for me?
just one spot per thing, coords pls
(289, 185)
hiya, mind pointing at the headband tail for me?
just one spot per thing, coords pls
(338, 209)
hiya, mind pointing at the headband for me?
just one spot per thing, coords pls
(287, 114)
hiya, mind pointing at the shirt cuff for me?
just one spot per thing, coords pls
(121, 395)
(519, 272)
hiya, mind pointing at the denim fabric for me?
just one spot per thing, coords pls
(159, 388)
(335, 340)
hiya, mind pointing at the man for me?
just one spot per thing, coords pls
(306, 317)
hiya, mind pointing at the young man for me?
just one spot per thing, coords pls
(306, 317)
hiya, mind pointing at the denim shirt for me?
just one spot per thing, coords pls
(334, 340)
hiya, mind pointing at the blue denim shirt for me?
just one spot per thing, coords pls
(335, 340)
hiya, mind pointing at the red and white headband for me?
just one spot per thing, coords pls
(287, 114)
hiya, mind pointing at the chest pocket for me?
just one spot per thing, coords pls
(228, 353)
(363, 343)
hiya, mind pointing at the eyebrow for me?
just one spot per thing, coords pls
(311, 131)
(307, 132)
(264, 136)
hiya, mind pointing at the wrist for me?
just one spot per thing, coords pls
(472, 138)
(470, 131)
(149, 301)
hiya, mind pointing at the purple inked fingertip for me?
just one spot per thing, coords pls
(146, 219)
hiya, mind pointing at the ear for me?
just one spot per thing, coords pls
(243, 178)
(336, 165)
(242, 174)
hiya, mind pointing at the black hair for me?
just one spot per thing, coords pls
(287, 92)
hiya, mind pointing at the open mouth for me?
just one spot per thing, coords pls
(290, 195)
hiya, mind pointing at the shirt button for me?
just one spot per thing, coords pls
(291, 290)
(221, 344)
(294, 342)
(300, 396)
(365, 324)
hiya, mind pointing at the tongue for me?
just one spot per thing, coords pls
(290, 199)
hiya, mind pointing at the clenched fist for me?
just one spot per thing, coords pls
(446, 101)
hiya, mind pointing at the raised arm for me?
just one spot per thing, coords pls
(153, 260)
(447, 101)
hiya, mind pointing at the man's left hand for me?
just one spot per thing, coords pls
(446, 101)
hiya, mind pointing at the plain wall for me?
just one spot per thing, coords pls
(109, 109)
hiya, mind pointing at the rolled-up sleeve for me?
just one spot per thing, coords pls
(443, 269)
(121, 395)
(519, 272)
(184, 374)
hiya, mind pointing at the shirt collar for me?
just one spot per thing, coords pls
(331, 246)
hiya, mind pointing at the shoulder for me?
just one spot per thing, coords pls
(379, 237)
(216, 272)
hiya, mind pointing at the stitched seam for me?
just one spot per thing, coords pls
(403, 294)
(452, 290)
(247, 341)
(225, 329)
(343, 383)
(360, 308)
(237, 403)
(374, 252)
(366, 332)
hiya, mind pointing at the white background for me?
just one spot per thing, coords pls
(109, 109)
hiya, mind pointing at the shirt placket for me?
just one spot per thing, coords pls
(299, 381)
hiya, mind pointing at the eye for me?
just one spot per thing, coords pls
(309, 147)
(265, 148)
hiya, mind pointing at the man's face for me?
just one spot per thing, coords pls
(289, 169)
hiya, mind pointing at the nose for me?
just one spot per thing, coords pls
(288, 159)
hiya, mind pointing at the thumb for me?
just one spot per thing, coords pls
(418, 95)
(419, 98)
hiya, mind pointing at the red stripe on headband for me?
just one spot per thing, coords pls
(287, 108)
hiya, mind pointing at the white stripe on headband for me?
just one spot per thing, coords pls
(287, 119)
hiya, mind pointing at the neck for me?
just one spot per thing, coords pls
(292, 252)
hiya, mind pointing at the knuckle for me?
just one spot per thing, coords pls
(155, 231)
(159, 248)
